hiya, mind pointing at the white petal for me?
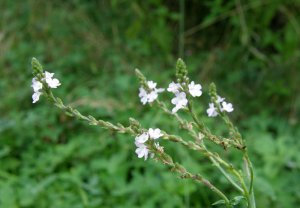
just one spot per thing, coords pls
(195, 89)
(53, 83)
(220, 99)
(227, 107)
(142, 92)
(36, 96)
(174, 87)
(36, 85)
(151, 84)
(142, 138)
(48, 75)
(154, 133)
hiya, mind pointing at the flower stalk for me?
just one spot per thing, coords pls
(146, 140)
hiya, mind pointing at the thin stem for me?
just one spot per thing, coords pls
(206, 132)
(250, 174)
(210, 155)
(163, 157)
(228, 177)
(167, 160)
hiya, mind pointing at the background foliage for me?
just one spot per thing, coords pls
(249, 48)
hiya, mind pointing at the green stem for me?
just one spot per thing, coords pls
(228, 177)
(167, 160)
(213, 157)
(250, 174)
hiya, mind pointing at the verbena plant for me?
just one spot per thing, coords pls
(146, 140)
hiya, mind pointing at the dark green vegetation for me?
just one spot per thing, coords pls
(251, 49)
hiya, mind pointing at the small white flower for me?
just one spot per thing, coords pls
(152, 96)
(195, 89)
(142, 151)
(220, 99)
(227, 107)
(48, 75)
(149, 97)
(142, 138)
(212, 110)
(179, 101)
(154, 133)
(174, 87)
(143, 95)
(36, 85)
(151, 84)
(36, 96)
(52, 82)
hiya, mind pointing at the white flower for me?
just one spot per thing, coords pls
(179, 101)
(36, 96)
(151, 84)
(195, 89)
(143, 95)
(154, 133)
(152, 96)
(48, 75)
(212, 110)
(149, 97)
(220, 99)
(36, 85)
(227, 107)
(52, 83)
(142, 138)
(174, 87)
(142, 151)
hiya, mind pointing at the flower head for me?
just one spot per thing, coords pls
(220, 99)
(212, 110)
(142, 151)
(179, 101)
(52, 82)
(195, 89)
(154, 133)
(150, 95)
(174, 87)
(151, 84)
(36, 96)
(142, 138)
(36, 85)
(227, 107)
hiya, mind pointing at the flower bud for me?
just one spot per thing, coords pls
(142, 78)
(213, 91)
(181, 71)
(36, 67)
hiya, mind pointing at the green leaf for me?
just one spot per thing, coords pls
(222, 201)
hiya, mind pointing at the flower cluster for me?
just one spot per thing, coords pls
(37, 85)
(148, 96)
(140, 140)
(180, 101)
(212, 110)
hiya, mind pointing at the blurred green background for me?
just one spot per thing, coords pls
(250, 49)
